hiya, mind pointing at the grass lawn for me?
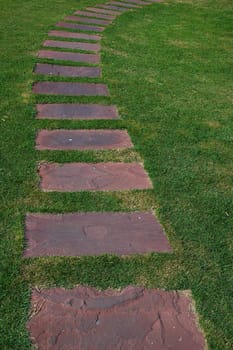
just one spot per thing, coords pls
(168, 67)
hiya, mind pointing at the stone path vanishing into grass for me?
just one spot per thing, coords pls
(84, 318)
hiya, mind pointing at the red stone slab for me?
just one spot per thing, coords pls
(111, 7)
(74, 45)
(71, 35)
(72, 177)
(76, 111)
(82, 139)
(107, 12)
(87, 20)
(69, 56)
(134, 318)
(124, 4)
(70, 89)
(92, 14)
(82, 234)
(79, 26)
(67, 71)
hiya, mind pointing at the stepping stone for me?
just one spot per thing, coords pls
(110, 7)
(139, 2)
(67, 71)
(79, 27)
(107, 12)
(72, 45)
(76, 111)
(96, 15)
(124, 4)
(72, 177)
(87, 20)
(134, 318)
(70, 89)
(69, 56)
(71, 35)
(93, 234)
(82, 139)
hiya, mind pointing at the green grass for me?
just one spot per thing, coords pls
(168, 67)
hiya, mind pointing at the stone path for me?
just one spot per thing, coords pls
(83, 318)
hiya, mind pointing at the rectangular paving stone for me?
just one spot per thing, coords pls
(81, 234)
(70, 89)
(82, 139)
(107, 12)
(76, 111)
(74, 45)
(111, 7)
(69, 56)
(139, 2)
(124, 4)
(80, 27)
(134, 318)
(87, 20)
(67, 71)
(73, 177)
(72, 35)
(96, 15)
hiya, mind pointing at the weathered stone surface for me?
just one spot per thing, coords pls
(76, 111)
(72, 35)
(71, 177)
(80, 27)
(69, 56)
(111, 7)
(93, 234)
(107, 12)
(139, 2)
(135, 318)
(96, 15)
(70, 89)
(74, 45)
(124, 4)
(87, 20)
(67, 71)
(82, 139)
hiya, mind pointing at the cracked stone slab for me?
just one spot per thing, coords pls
(124, 4)
(72, 35)
(88, 20)
(96, 15)
(70, 89)
(76, 111)
(69, 56)
(80, 234)
(82, 139)
(72, 177)
(74, 45)
(134, 318)
(67, 71)
(107, 12)
(80, 27)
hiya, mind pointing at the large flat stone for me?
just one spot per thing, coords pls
(112, 7)
(79, 26)
(71, 177)
(72, 35)
(82, 234)
(76, 111)
(67, 71)
(70, 89)
(82, 139)
(107, 12)
(87, 20)
(96, 15)
(74, 45)
(118, 3)
(135, 318)
(70, 56)
(139, 2)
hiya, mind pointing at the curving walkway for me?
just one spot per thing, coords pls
(83, 318)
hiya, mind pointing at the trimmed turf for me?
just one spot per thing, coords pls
(168, 70)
